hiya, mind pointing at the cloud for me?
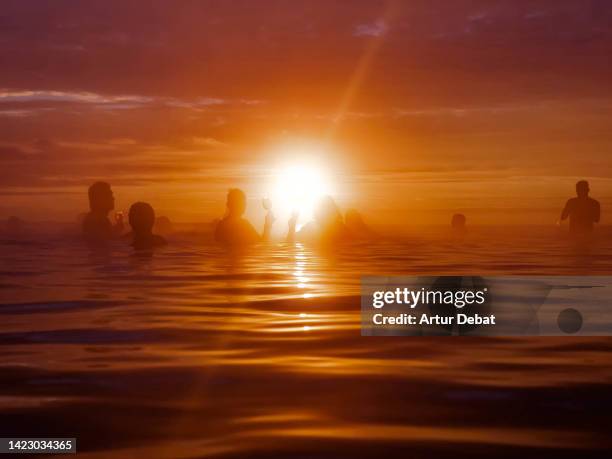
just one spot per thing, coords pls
(208, 142)
(106, 101)
(375, 29)
(62, 96)
(199, 102)
(532, 106)
(17, 113)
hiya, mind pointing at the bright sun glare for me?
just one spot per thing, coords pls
(297, 188)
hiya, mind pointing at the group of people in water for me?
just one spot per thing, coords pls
(328, 227)
(98, 229)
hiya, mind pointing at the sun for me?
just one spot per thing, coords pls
(297, 187)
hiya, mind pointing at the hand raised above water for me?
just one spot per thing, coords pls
(293, 220)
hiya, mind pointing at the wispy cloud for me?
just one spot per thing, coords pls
(62, 96)
(374, 29)
(107, 101)
(504, 108)
(17, 113)
(199, 102)
(208, 142)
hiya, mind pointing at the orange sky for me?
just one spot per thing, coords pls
(426, 107)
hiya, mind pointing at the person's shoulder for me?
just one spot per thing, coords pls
(248, 230)
(245, 223)
(593, 201)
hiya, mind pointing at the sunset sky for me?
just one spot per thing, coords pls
(420, 108)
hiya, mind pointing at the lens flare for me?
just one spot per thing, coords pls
(298, 188)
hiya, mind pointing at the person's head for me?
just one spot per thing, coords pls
(236, 202)
(142, 218)
(458, 221)
(582, 188)
(327, 212)
(101, 198)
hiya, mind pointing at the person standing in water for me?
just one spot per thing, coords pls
(583, 211)
(233, 229)
(142, 219)
(97, 228)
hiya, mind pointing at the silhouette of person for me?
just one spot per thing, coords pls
(356, 226)
(582, 211)
(142, 219)
(97, 228)
(328, 226)
(233, 229)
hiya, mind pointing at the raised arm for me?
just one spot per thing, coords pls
(269, 221)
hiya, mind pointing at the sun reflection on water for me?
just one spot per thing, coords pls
(265, 347)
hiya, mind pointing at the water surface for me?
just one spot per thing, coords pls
(196, 352)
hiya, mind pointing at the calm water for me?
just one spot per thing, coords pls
(196, 352)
